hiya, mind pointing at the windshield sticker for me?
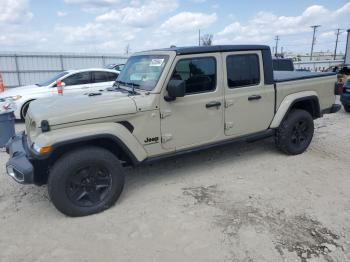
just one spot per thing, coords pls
(156, 62)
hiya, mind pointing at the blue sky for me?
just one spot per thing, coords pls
(107, 26)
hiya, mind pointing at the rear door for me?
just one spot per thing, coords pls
(196, 118)
(77, 82)
(249, 103)
(103, 80)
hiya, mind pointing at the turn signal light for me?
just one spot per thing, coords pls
(42, 150)
(45, 150)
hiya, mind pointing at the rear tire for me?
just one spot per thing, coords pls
(295, 133)
(85, 181)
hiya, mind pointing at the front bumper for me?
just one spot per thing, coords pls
(345, 99)
(19, 166)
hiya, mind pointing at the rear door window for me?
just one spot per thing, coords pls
(243, 70)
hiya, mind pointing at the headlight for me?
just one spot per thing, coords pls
(14, 98)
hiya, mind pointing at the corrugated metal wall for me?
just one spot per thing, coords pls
(317, 65)
(29, 68)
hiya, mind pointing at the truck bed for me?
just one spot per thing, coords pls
(320, 84)
(284, 76)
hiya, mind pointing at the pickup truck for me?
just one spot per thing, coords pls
(164, 103)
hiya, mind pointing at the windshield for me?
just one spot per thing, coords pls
(52, 79)
(143, 71)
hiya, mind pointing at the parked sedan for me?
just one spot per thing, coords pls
(74, 81)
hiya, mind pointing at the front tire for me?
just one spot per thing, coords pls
(295, 133)
(85, 181)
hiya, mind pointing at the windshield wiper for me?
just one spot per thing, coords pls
(117, 84)
(128, 84)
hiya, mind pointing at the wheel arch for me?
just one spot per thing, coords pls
(114, 137)
(106, 141)
(23, 105)
(307, 101)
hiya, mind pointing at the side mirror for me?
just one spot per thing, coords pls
(59, 83)
(175, 88)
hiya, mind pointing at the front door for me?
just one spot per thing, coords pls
(196, 118)
(249, 103)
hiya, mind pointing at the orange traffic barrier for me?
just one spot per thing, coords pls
(59, 87)
(2, 87)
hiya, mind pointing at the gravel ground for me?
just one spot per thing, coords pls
(244, 202)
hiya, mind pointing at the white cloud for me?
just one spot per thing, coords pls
(93, 6)
(88, 33)
(330, 35)
(141, 15)
(187, 21)
(14, 12)
(265, 25)
(91, 2)
(100, 36)
(61, 13)
(343, 10)
(149, 24)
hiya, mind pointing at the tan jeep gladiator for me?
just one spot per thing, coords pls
(164, 103)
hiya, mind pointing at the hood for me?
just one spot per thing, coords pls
(24, 90)
(67, 109)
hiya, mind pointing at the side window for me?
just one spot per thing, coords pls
(111, 76)
(100, 76)
(242, 70)
(78, 79)
(198, 73)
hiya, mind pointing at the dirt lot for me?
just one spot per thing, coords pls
(245, 202)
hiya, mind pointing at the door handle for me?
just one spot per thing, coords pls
(213, 104)
(254, 97)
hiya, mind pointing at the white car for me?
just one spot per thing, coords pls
(74, 81)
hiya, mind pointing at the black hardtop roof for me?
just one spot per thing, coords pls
(213, 49)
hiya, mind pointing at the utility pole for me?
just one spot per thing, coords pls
(313, 39)
(277, 38)
(199, 37)
(336, 43)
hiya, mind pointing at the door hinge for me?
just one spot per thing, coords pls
(229, 103)
(165, 114)
(228, 125)
(166, 138)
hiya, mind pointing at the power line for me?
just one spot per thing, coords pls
(313, 39)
